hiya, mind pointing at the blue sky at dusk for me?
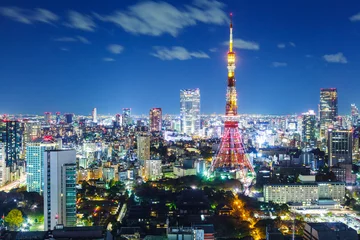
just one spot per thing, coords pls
(71, 56)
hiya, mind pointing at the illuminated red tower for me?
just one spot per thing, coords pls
(231, 156)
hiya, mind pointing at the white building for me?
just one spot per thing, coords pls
(4, 171)
(152, 169)
(305, 193)
(59, 188)
(143, 147)
(94, 115)
(190, 111)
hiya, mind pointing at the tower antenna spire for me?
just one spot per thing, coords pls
(231, 35)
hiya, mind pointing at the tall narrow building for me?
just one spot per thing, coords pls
(4, 170)
(308, 128)
(190, 111)
(126, 117)
(94, 115)
(13, 142)
(47, 117)
(59, 188)
(155, 119)
(339, 147)
(328, 109)
(231, 157)
(143, 147)
(354, 115)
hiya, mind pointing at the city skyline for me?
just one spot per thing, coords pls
(91, 56)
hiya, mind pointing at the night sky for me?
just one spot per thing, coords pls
(71, 56)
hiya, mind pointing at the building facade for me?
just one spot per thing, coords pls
(328, 109)
(126, 117)
(155, 119)
(13, 142)
(339, 146)
(59, 188)
(190, 111)
(308, 128)
(143, 147)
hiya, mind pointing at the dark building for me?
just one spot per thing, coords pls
(13, 140)
(339, 146)
(328, 231)
(328, 108)
(69, 118)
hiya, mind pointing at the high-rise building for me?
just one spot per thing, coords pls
(155, 119)
(69, 118)
(328, 109)
(339, 146)
(126, 117)
(94, 115)
(59, 188)
(4, 170)
(143, 147)
(152, 169)
(118, 120)
(231, 157)
(354, 115)
(35, 164)
(190, 111)
(13, 142)
(47, 117)
(58, 117)
(308, 128)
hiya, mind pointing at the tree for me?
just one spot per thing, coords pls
(14, 218)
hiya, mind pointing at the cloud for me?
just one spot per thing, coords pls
(115, 48)
(213, 49)
(292, 44)
(73, 39)
(279, 64)
(355, 17)
(242, 44)
(335, 58)
(80, 21)
(281, 45)
(64, 49)
(177, 52)
(108, 59)
(29, 16)
(156, 18)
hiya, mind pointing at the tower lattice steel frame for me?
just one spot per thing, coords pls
(231, 154)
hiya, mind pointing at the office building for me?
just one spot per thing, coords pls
(143, 147)
(58, 117)
(108, 173)
(328, 109)
(59, 188)
(118, 120)
(126, 117)
(4, 170)
(94, 115)
(152, 169)
(13, 142)
(69, 118)
(47, 117)
(190, 111)
(35, 164)
(328, 231)
(339, 146)
(155, 119)
(308, 128)
(308, 193)
(354, 115)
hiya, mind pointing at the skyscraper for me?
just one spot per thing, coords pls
(190, 111)
(59, 188)
(4, 171)
(35, 164)
(328, 109)
(143, 147)
(47, 117)
(126, 117)
(339, 146)
(94, 115)
(155, 119)
(308, 128)
(231, 156)
(13, 140)
(354, 115)
(69, 118)
(58, 117)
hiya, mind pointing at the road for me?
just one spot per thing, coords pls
(14, 184)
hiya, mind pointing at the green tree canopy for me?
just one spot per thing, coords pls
(14, 218)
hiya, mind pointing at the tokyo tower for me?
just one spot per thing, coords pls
(231, 156)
